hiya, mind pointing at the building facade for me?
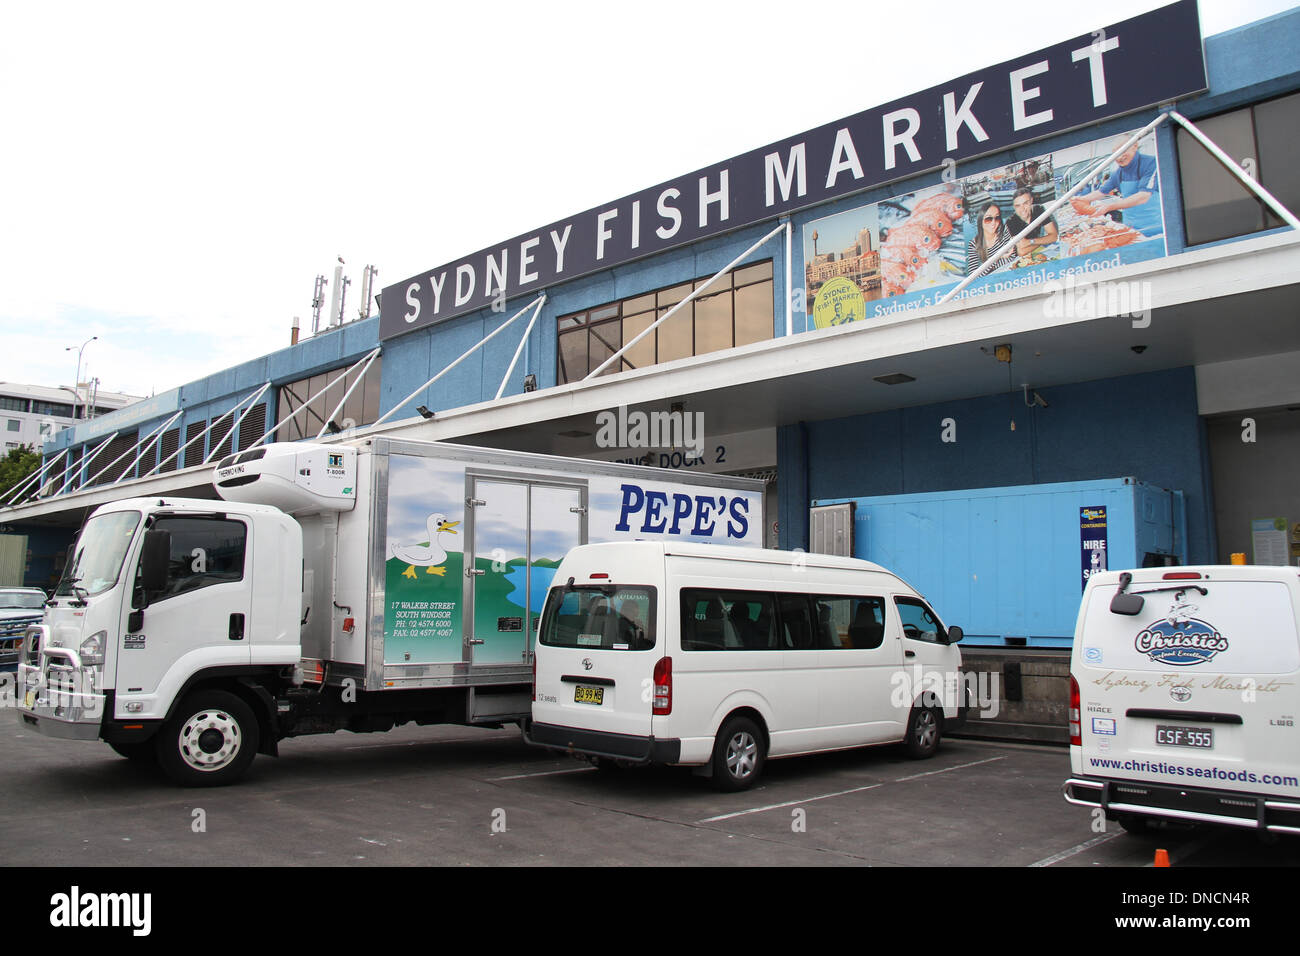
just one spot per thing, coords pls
(34, 414)
(839, 314)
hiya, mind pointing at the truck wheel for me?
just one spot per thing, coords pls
(139, 752)
(209, 741)
(738, 755)
(923, 730)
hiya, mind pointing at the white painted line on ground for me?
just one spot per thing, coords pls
(543, 773)
(788, 803)
(960, 766)
(1075, 850)
(417, 743)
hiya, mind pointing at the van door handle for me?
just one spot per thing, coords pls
(236, 627)
(909, 653)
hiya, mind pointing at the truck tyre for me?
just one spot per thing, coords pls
(738, 755)
(924, 727)
(142, 751)
(210, 740)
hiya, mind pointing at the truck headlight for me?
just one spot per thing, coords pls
(92, 649)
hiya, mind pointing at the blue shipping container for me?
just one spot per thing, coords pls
(1009, 564)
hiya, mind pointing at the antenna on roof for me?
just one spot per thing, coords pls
(367, 284)
(317, 300)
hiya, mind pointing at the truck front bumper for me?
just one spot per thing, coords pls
(58, 696)
(1185, 804)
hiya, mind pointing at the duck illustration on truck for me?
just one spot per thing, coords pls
(352, 586)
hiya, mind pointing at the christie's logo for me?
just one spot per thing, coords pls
(1181, 644)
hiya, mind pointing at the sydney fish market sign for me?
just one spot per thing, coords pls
(1150, 59)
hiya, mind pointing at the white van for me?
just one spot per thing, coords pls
(719, 658)
(1184, 697)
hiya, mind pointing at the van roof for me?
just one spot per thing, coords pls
(725, 552)
(1213, 572)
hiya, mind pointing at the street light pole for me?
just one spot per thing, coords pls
(76, 383)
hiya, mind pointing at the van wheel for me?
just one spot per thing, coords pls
(738, 755)
(210, 740)
(141, 751)
(924, 727)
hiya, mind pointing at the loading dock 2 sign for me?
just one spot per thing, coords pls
(1092, 541)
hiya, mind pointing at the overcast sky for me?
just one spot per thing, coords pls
(175, 176)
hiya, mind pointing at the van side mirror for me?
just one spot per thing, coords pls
(1128, 604)
(955, 634)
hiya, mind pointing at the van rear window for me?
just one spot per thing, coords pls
(611, 618)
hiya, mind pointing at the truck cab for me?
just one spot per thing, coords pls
(167, 608)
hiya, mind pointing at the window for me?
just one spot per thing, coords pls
(52, 408)
(727, 620)
(603, 618)
(361, 408)
(735, 310)
(919, 622)
(1265, 138)
(10, 404)
(715, 620)
(850, 623)
(15, 424)
(204, 552)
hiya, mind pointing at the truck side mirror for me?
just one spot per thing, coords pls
(955, 634)
(154, 561)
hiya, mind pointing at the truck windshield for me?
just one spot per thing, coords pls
(10, 600)
(100, 551)
(612, 618)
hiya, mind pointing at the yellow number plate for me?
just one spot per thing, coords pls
(589, 695)
(29, 700)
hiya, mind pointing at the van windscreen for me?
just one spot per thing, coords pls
(612, 618)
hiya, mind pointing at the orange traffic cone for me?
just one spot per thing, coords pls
(1162, 858)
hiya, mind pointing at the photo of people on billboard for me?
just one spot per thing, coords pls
(907, 251)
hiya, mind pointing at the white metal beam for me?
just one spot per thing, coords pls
(307, 404)
(464, 355)
(235, 427)
(348, 394)
(522, 342)
(157, 436)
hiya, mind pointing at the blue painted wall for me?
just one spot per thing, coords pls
(1144, 426)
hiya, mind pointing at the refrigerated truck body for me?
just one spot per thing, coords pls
(353, 586)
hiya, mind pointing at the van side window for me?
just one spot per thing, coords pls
(714, 620)
(919, 622)
(204, 552)
(855, 623)
(796, 622)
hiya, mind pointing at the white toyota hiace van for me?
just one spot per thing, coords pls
(719, 658)
(1184, 697)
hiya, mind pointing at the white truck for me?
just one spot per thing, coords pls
(352, 586)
